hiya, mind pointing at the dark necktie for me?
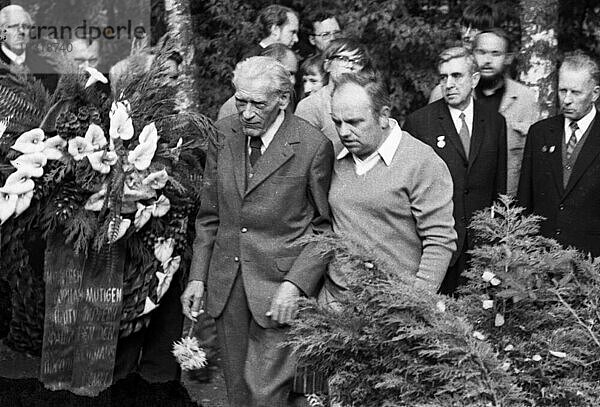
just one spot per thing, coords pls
(465, 138)
(572, 140)
(255, 145)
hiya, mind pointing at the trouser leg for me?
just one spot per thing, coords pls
(232, 331)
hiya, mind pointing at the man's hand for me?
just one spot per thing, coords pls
(191, 299)
(285, 303)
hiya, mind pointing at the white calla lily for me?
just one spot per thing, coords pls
(96, 201)
(101, 161)
(121, 125)
(23, 202)
(95, 76)
(141, 156)
(33, 160)
(19, 182)
(8, 204)
(161, 206)
(142, 216)
(157, 180)
(163, 249)
(31, 141)
(149, 134)
(95, 136)
(170, 267)
(79, 148)
(54, 148)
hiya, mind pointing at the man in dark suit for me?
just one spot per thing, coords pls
(472, 142)
(560, 176)
(267, 179)
(14, 50)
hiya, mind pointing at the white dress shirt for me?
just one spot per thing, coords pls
(582, 123)
(268, 135)
(385, 152)
(17, 59)
(455, 114)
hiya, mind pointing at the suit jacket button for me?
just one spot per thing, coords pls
(250, 175)
(236, 259)
(557, 232)
(561, 207)
(244, 230)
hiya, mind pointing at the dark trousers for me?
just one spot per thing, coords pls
(258, 371)
(148, 352)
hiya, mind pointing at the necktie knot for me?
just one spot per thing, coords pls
(462, 116)
(255, 146)
(255, 142)
(573, 125)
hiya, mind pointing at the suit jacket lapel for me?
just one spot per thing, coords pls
(449, 129)
(587, 154)
(477, 134)
(278, 152)
(237, 145)
(555, 139)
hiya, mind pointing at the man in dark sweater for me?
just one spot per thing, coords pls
(472, 142)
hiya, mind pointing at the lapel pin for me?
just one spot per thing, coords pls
(441, 141)
(551, 149)
(544, 149)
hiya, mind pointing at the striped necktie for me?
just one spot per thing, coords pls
(572, 140)
(464, 135)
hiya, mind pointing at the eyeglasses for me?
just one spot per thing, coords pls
(347, 60)
(328, 34)
(25, 27)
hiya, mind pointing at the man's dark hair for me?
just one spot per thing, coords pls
(579, 60)
(320, 15)
(498, 32)
(480, 16)
(274, 14)
(372, 82)
(351, 45)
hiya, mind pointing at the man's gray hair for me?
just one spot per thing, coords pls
(578, 60)
(255, 68)
(11, 9)
(458, 52)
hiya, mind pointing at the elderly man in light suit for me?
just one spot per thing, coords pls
(267, 178)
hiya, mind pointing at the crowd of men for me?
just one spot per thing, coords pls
(336, 160)
(406, 192)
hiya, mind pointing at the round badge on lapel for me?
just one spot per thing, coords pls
(551, 149)
(544, 149)
(441, 141)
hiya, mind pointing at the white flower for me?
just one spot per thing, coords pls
(157, 180)
(170, 267)
(95, 76)
(142, 216)
(499, 320)
(23, 202)
(487, 276)
(478, 335)
(19, 182)
(96, 201)
(95, 136)
(31, 141)
(536, 358)
(121, 125)
(79, 148)
(115, 234)
(54, 148)
(488, 304)
(32, 163)
(163, 249)
(188, 353)
(508, 348)
(101, 161)
(8, 204)
(161, 206)
(142, 155)
(495, 281)
(558, 354)
(441, 306)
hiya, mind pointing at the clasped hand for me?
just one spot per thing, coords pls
(285, 303)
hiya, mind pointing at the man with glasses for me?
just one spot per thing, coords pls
(471, 139)
(325, 28)
(16, 24)
(343, 55)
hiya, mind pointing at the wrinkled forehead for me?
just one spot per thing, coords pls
(17, 16)
(255, 88)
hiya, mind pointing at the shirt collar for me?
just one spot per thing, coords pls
(17, 59)
(387, 149)
(582, 123)
(267, 137)
(455, 113)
